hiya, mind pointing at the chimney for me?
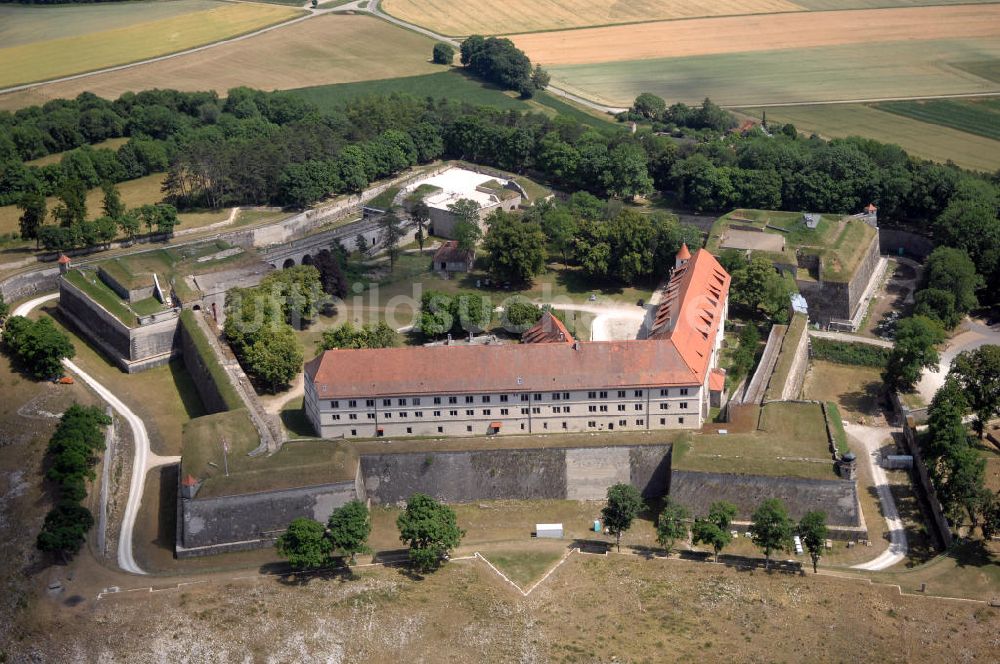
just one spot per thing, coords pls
(576, 345)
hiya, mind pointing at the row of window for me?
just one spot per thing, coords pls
(486, 398)
(545, 425)
(506, 411)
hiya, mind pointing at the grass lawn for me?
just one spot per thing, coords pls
(791, 441)
(395, 297)
(51, 58)
(164, 397)
(56, 157)
(27, 24)
(799, 75)
(296, 464)
(840, 242)
(98, 291)
(915, 135)
(451, 84)
(854, 389)
(524, 567)
(837, 424)
(969, 569)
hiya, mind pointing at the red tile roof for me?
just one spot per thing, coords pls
(717, 380)
(63, 259)
(683, 334)
(692, 309)
(547, 330)
(870, 208)
(496, 368)
(684, 253)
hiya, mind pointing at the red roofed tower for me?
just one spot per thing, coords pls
(683, 256)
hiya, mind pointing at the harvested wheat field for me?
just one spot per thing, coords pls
(322, 50)
(746, 34)
(40, 60)
(464, 17)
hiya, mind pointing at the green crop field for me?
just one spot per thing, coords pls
(86, 50)
(980, 117)
(453, 84)
(835, 73)
(920, 139)
(988, 69)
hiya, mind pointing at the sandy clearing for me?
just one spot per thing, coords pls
(742, 34)
(322, 50)
(463, 17)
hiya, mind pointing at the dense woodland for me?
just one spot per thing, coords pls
(275, 148)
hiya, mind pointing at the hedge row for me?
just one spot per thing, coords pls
(849, 352)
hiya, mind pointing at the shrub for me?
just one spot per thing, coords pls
(847, 352)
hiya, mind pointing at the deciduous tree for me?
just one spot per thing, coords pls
(713, 530)
(671, 525)
(348, 529)
(812, 531)
(914, 350)
(623, 506)
(305, 544)
(429, 529)
(515, 250)
(772, 529)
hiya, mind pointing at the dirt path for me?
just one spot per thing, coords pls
(145, 459)
(612, 322)
(872, 439)
(850, 338)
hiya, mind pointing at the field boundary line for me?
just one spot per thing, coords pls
(525, 593)
(166, 56)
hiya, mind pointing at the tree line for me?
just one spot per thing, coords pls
(276, 148)
(428, 528)
(771, 529)
(72, 452)
(955, 466)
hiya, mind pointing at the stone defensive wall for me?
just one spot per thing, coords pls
(833, 300)
(838, 498)
(521, 474)
(207, 526)
(232, 523)
(148, 345)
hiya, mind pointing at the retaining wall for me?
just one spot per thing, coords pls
(829, 300)
(524, 474)
(838, 498)
(204, 375)
(914, 245)
(236, 523)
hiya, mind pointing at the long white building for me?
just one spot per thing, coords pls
(550, 383)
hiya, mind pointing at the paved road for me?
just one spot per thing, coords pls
(872, 438)
(853, 338)
(972, 335)
(144, 458)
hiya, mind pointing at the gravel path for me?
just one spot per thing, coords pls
(145, 459)
(872, 438)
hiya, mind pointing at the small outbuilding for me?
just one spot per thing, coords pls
(811, 220)
(451, 258)
(550, 530)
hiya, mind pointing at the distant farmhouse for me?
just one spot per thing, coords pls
(558, 385)
(834, 259)
(445, 189)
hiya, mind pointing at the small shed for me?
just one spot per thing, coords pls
(451, 258)
(897, 461)
(811, 219)
(550, 530)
